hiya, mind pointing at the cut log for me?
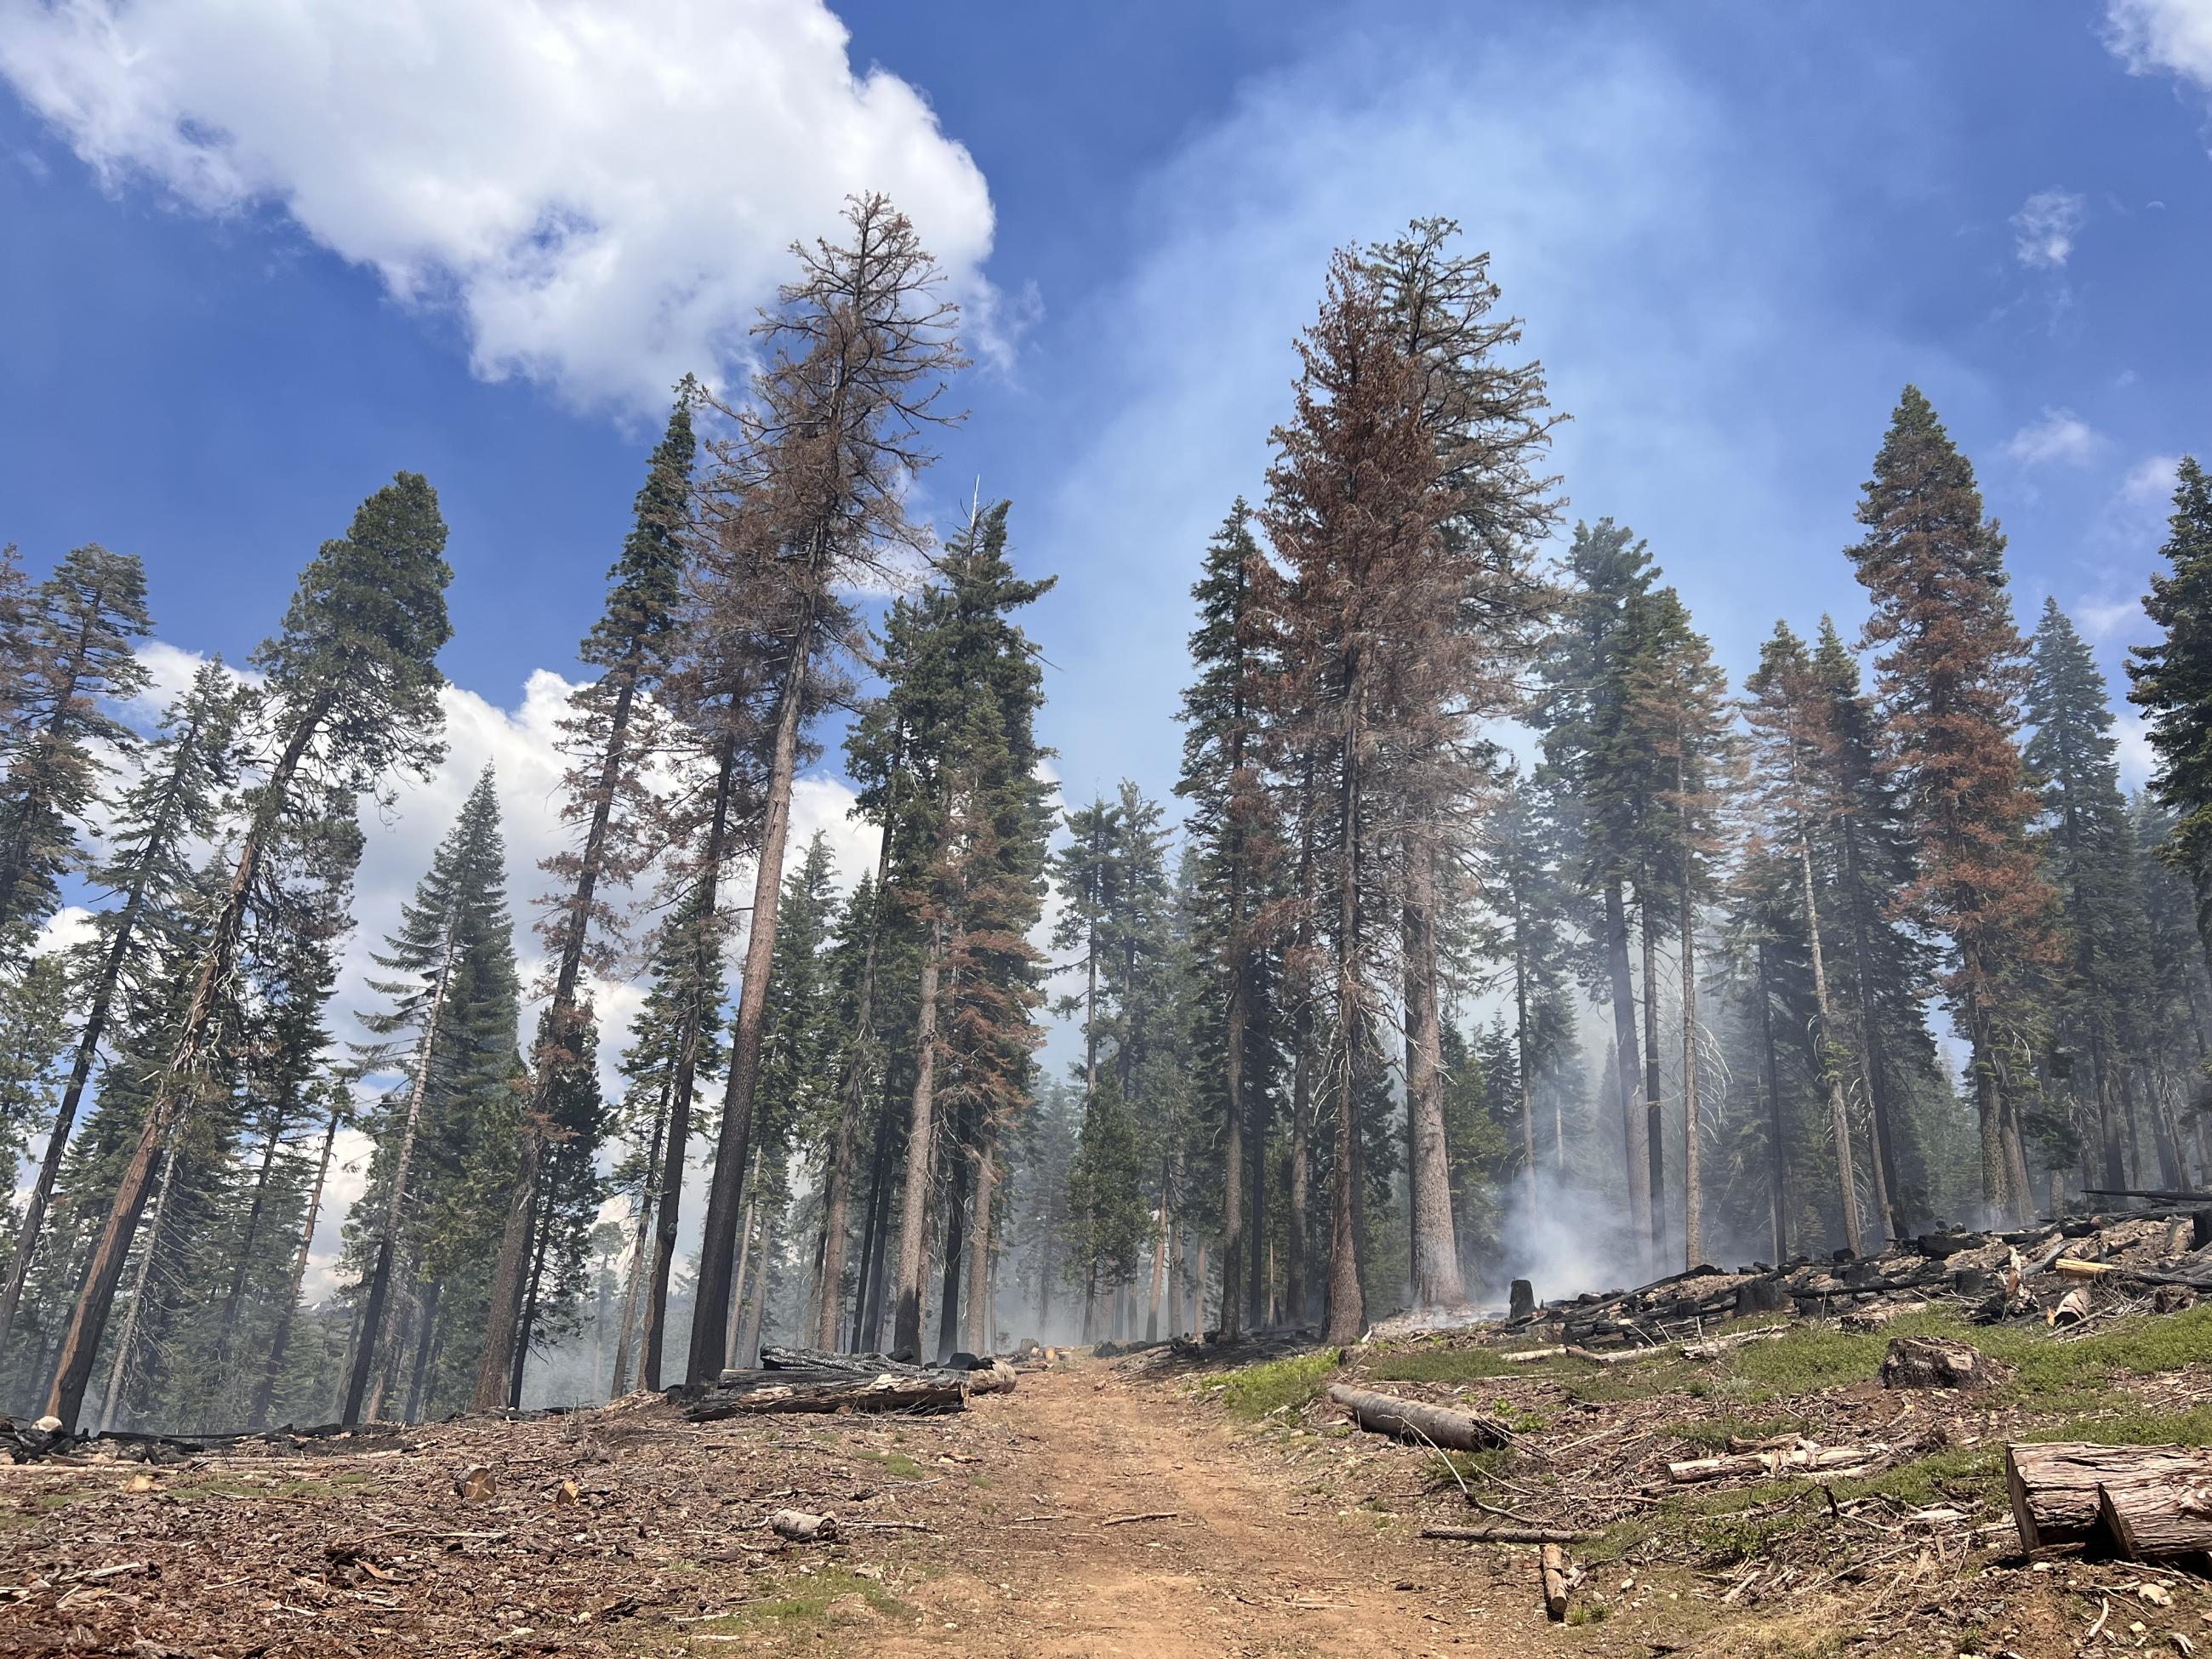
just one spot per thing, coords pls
(997, 1378)
(803, 1391)
(2055, 1500)
(2157, 1520)
(1410, 1420)
(1528, 1356)
(1510, 1534)
(1615, 1357)
(1934, 1362)
(1552, 1563)
(1806, 1457)
(1714, 1347)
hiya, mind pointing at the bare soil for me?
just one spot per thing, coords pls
(1007, 1529)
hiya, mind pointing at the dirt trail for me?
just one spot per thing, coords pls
(1248, 1564)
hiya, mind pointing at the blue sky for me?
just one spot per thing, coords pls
(257, 257)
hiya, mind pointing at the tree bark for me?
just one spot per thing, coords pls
(1840, 1123)
(1437, 1282)
(395, 1201)
(913, 1220)
(1626, 1066)
(1655, 1136)
(1411, 1419)
(1777, 1157)
(977, 1331)
(2055, 1488)
(734, 1143)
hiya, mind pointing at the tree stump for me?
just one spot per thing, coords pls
(1759, 1296)
(1934, 1362)
(1522, 1300)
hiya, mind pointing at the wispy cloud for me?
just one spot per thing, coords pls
(2172, 37)
(2045, 229)
(2061, 436)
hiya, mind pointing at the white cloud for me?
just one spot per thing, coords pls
(2045, 229)
(2137, 762)
(2060, 436)
(2149, 482)
(2162, 36)
(603, 190)
(2100, 618)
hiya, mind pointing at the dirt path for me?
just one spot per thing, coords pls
(1245, 1562)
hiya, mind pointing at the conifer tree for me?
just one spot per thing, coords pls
(2170, 681)
(860, 350)
(173, 803)
(609, 734)
(963, 687)
(353, 683)
(1232, 825)
(2091, 861)
(452, 960)
(80, 632)
(1586, 665)
(1950, 678)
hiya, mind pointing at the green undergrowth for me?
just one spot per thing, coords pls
(1254, 1391)
(895, 1464)
(792, 1609)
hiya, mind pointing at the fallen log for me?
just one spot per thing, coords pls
(2075, 1268)
(801, 1528)
(1410, 1420)
(1528, 1356)
(1510, 1534)
(1552, 1565)
(1617, 1357)
(1804, 1458)
(2058, 1490)
(997, 1378)
(1713, 1347)
(762, 1392)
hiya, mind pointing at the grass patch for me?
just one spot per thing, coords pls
(1252, 1391)
(800, 1609)
(1639, 1381)
(895, 1464)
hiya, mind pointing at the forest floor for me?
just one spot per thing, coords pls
(1152, 1505)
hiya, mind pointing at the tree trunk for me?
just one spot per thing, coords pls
(1898, 1219)
(737, 1278)
(526, 1330)
(1626, 1067)
(1693, 1238)
(57, 1135)
(868, 1292)
(1437, 1281)
(140, 1284)
(559, 1050)
(955, 1234)
(1655, 1136)
(852, 1099)
(977, 1327)
(426, 1352)
(668, 1203)
(734, 1143)
(265, 1393)
(747, 1346)
(395, 1201)
(1778, 1163)
(1840, 1123)
(1412, 1419)
(914, 1221)
(1347, 1308)
(634, 1285)
(171, 1095)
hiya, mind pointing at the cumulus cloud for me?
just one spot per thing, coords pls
(2171, 37)
(603, 191)
(2061, 436)
(2045, 229)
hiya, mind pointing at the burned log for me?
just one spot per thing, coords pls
(1411, 1419)
(2058, 1491)
(744, 1394)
